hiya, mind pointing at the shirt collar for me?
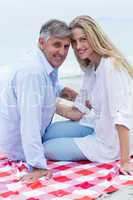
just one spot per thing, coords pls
(48, 67)
(99, 66)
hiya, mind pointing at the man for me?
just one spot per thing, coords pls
(28, 96)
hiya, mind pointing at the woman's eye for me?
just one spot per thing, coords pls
(83, 39)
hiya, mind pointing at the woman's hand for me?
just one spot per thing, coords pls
(88, 104)
(123, 133)
(126, 168)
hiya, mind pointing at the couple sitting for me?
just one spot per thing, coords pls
(100, 118)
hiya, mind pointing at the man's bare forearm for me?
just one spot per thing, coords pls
(68, 112)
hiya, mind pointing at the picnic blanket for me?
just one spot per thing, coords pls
(71, 181)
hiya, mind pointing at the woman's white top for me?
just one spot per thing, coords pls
(110, 91)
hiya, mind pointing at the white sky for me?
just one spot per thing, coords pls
(45, 9)
(20, 20)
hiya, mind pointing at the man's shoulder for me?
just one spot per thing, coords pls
(27, 66)
(30, 66)
(28, 73)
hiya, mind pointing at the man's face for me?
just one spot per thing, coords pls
(55, 49)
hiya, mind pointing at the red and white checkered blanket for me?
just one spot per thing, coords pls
(71, 181)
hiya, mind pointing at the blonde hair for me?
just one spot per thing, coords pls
(99, 42)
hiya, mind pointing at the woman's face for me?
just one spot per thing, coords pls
(81, 44)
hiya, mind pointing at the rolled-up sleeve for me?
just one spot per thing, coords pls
(30, 96)
(120, 98)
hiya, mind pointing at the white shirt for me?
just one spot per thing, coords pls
(27, 104)
(110, 92)
(90, 114)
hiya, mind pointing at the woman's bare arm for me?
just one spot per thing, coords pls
(123, 133)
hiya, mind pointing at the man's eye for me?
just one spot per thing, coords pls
(66, 46)
(56, 45)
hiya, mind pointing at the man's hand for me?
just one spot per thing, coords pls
(68, 94)
(35, 175)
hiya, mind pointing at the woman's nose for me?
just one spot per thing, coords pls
(78, 45)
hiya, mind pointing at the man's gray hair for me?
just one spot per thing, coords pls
(55, 28)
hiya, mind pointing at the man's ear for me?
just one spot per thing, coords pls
(42, 43)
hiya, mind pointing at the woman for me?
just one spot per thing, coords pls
(108, 83)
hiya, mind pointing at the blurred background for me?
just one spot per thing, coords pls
(20, 22)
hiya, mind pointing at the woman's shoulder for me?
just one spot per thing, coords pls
(113, 71)
(109, 63)
(110, 67)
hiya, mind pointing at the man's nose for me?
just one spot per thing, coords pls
(62, 50)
